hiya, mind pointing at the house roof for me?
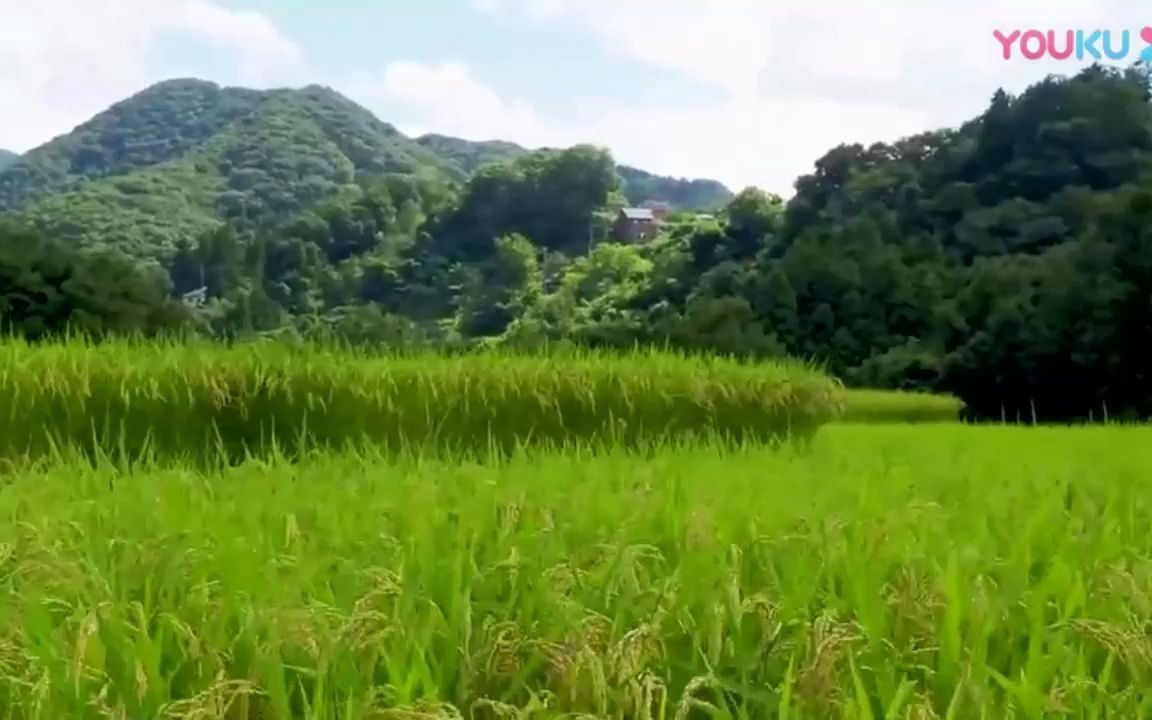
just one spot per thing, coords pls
(638, 213)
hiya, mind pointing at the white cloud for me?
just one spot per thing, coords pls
(246, 32)
(62, 61)
(744, 141)
(799, 77)
(450, 100)
(786, 79)
(741, 141)
(726, 44)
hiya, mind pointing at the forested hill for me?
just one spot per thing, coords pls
(7, 157)
(1008, 260)
(468, 156)
(638, 185)
(178, 158)
(181, 156)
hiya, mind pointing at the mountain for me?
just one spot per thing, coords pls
(470, 155)
(7, 158)
(183, 155)
(638, 185)
(678, 192)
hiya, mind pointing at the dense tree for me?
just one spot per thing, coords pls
(500, 289)
(549, 196)
(178, 158)
(753, 215)
(47, 289)
(637, 186)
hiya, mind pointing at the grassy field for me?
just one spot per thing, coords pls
(907, 572)
(882, 406)
(194, 532)
(202, 400)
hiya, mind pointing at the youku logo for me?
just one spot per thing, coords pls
(1078, 44)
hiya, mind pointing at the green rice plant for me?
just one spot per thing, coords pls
(880, 572)
(891, 406)
(189, 400)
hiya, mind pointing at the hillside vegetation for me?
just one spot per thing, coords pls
(181, 156)
(7, 157)
(637, 186)
(1007, 262)
(700, 194)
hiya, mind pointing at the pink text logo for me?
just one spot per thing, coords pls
(1067, 44)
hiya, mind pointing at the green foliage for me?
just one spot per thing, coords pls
(159, 125)
(753, 214)
(7, 158)
(1003, 262)
(371, 327)
(589, 301)
(180, 157)
(470, 156)
(549, 196)
(145, 214)
(47, 290)
(231, 132)
(638, 186)
(500, 289)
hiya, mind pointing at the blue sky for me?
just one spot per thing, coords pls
(521, 57)
(750, 92)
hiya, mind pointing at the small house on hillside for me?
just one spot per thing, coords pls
(634, 225)
(196, 298)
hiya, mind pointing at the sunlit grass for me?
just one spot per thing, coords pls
(201, 400)
(886, 406)
(883, 572)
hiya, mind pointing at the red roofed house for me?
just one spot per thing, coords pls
(634, 225)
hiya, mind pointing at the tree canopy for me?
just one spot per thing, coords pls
(182, 156)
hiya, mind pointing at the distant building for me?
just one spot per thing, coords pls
(635, 225)
(196, 298)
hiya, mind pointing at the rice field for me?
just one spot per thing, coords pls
(192, 532)
(880, 406)
(208, 401)
(877, 572)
